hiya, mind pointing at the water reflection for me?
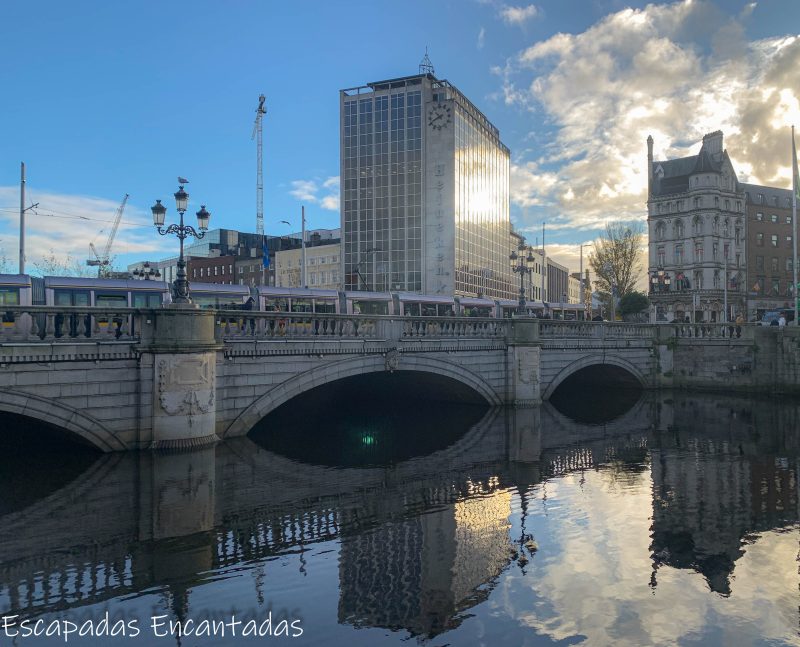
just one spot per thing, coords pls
(528, 528)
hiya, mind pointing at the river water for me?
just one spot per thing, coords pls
(601, 520)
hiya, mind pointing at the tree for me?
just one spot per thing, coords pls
(5, 264)
(617, 259)
(633, 303)
(52, 265)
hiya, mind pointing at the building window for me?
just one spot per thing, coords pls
(760, 263)
(716, 279)
(697, 225)
(773, 218)
(660, 231)
(776, 287)
(789, 266)
(774, 264)
(759, 216)
(698, 252)
(774, 240)
(727, 205)
(738, 235)
(678, 228)
(698, 280)
(678, 254)
(788, 241)
(788, 220)
(201, 272)
(714, 251)
(223, 270)
(241, 271)
(760, 198)
(215, 270)
(760, 239)
(661, 256)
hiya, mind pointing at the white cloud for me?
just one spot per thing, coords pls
(481, 38)
(641, 72)
(325, 193)
(67, 224)
(518, 15)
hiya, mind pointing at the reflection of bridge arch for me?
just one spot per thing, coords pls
(62, 416)
(597, 359)
(355, 366)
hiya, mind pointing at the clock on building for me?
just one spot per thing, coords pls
(439, 116)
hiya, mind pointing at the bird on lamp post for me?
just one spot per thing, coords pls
(180, 287)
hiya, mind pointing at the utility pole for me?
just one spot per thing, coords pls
(22, 219)
(22, 211)
(544, 263)
(303, 247)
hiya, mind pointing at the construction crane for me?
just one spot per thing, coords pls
(102, 261)
(260, 112)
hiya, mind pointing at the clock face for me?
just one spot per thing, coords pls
(439, 116)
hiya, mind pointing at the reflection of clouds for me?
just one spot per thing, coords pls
(591, 575)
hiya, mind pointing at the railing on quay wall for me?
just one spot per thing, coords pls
(67, 324)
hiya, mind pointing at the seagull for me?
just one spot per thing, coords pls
(182, 180)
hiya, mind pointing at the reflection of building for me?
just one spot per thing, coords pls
(710, 493)
(418, 573)
(424, 190)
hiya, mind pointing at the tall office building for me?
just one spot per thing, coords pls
(425, 190)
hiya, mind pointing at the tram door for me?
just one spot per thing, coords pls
(68, 325)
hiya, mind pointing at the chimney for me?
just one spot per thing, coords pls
(649, 165)
(712, 142)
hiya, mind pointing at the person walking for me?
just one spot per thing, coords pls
(739, 322)
(781, 320)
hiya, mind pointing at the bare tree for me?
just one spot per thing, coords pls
(616, 259)
(5, 264)
(52, 265)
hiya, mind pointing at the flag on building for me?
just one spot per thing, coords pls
(264, 252)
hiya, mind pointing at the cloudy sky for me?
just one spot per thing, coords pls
(102, 101)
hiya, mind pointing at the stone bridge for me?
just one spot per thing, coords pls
(134, 379)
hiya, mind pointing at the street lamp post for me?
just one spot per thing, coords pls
(180, 287)
(660, 281)
(522, 265)
(146, 273)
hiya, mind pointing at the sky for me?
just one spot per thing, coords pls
(103, 99)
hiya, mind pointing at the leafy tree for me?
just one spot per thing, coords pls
(633, 303)
(617, 259)
(52, 265)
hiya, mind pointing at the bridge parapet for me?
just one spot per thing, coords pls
(235, 325)
(549, 329)
(63, 324)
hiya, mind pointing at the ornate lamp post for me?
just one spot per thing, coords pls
(522, 265)
(146, 272)
(180, 287)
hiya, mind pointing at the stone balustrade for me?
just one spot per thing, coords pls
(549, 329)
(61, 324)
(235, 325)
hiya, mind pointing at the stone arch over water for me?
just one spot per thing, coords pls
(596, 360)
(353, 367)
(75, 421)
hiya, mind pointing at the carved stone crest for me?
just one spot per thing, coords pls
(186, 386)
(392, 360)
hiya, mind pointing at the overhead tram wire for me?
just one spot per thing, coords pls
(74, 217)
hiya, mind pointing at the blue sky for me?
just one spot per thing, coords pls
(104, 98)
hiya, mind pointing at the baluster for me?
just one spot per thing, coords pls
(125, 326)
(33, 331)
(111, 328)
(49, 326)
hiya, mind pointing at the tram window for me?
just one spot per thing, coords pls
(444, 310)
(71, 298)
(301, 305)
(111, 300)
(324, 307)
(146, 300)
(272, 304)
(9, 296)
(206, 301)
(411, 309)
(371, 307)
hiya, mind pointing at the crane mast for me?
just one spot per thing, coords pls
(102, 261)
(257, 132)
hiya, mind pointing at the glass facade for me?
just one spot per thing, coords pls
(389, 155)
(481, 208)
(382, 189)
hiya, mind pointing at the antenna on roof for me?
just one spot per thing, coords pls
(426, 67)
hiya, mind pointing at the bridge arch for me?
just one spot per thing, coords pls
(349, 368)
(62, 416)
(593, 360)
